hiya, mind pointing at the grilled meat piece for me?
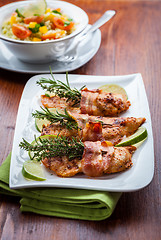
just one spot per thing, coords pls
(91, 128)
(93, 102)
(57, 129)
(98, 103)
(62, 166)
(54, 101)
(98, 159)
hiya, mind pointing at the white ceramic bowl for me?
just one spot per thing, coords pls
(42, 52)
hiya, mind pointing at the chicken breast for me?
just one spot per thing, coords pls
(98, 159)
(53, 102)
(60, 103)
(91, 128)
(62, 166)
(92, 102)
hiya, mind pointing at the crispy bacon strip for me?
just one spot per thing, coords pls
(91, 132)
(98, 103)
(98, 159)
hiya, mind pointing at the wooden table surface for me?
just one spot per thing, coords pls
(131, 43)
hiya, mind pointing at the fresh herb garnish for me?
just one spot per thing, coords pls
(36, 28)
(64, 119)
(19, 14)
(61, 89)
(47, 95)
(66, 23)
(42, 24)
(55, 11)
(56, 147)
(70, 19)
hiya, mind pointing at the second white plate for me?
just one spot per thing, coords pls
(86, 51)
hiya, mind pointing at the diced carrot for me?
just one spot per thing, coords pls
(50, 17)
(106, 143)
(35, 39)
(58, 9)
(48, 10)
(13, 18)
(32, 24)
(43, 29)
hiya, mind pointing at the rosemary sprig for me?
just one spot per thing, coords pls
(58, 146)
(61, 89)
(64, 119)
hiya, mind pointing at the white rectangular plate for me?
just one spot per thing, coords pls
(135, 178)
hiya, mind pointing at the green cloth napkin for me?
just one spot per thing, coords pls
(61, 202)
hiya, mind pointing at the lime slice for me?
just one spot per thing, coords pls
(36, 7)
(140, 135)
(40, 122)
(137, 145)
(32, 170)
(49, 94)
(114, 88)
(31, 154)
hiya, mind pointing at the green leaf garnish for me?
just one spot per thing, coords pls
(42, 24)
(19, 14)
(55, 11)
(47, 95)
(66, 24)
(36, 28)
(70, 19)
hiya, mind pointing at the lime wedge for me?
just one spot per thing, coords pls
(40, 122)
(140, 135)
(32, 170)
(31, 154)
(49, 94)
(36, 7)
(137, 145)
(114, 88)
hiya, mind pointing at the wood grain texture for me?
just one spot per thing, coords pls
(130, 43)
